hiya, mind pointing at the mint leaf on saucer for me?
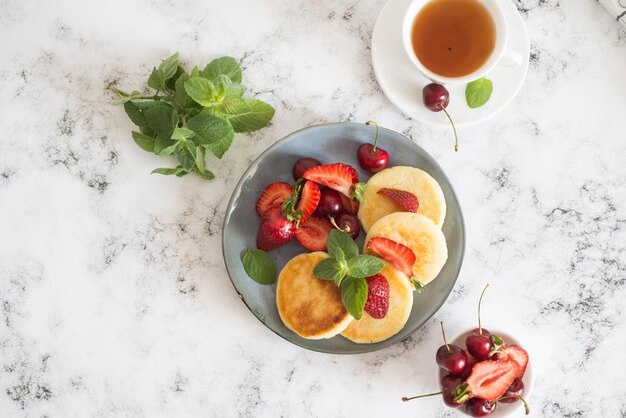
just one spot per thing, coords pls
(259, 266)
(478, 92)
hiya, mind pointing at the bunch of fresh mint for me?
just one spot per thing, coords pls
(191, 113)
(348, 269)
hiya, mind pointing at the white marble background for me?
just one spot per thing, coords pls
(114, 300)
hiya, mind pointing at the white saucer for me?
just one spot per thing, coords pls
(402, 83)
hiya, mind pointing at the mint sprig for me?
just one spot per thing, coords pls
(348, 270)
(192, 113)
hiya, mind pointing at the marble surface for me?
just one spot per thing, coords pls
(114, 300)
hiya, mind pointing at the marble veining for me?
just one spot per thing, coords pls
(114, 299)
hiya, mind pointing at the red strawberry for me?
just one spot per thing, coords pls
(309, 200)
(518, 355)
(401, 256)
(489, 380)
(377, 303)
(313, 234)
(273, 196)
(406, 200)
(350, 206)
(339, 177)
(275, 230)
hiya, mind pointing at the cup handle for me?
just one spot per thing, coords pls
(510, 59)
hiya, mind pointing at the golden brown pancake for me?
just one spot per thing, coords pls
(308, 306)
(369, 330)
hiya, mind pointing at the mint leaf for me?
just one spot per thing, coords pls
(135, 115)
(259, 266)
(168, 171)
(233, 106)
(364, 266)
(155, 81)
(419, 287)
(185, 158)
(225, 87)
(161, 119)
(181, 98)
(145, 142)
(225, 65)
(338, 241)
(478, 92)
(161, 143)
(214, 133)
(201, 90)
(354, 295)
(259, 115)
(329, 269)
(359, 189)
(206, 174)
(200, 160)
(169, 150)
(182, 133)
(168, 67)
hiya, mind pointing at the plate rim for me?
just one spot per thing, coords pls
(367, 348)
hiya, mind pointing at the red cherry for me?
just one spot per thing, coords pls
(450, 357)
(348, 224)
(477, 407)
(302, 165)
(436, 98)
(478, 341)
(330, 203)
(478, 346)
(516, 389)
(448, 383)
(371, 157)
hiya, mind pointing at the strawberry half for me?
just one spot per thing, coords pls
(377, 303)
(350, 206)
(400, 256)
(309, 200)
(407, 201)
(489, 380)
(518, 355)
(313, 233)
(275, 230)
(339, 177)
(273, 196)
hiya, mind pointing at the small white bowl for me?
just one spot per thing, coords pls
(502, 409)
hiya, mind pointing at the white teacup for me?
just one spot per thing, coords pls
(498, 55)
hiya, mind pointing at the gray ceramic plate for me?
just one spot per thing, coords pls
(329, 143)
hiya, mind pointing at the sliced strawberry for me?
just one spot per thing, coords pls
(339, 177)
(400, 256)
(313, 233)
(273, 196)
(275, 230)
(489, 379)
(351, 206)
(377, 303)
(309, 200)
(518, 355)
(407, 201)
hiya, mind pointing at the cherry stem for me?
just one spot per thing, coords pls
(526, 406)
(480, 328)
(332, 221)
(444, 338)
(405, 399)
(456, 138)
(371, 122)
